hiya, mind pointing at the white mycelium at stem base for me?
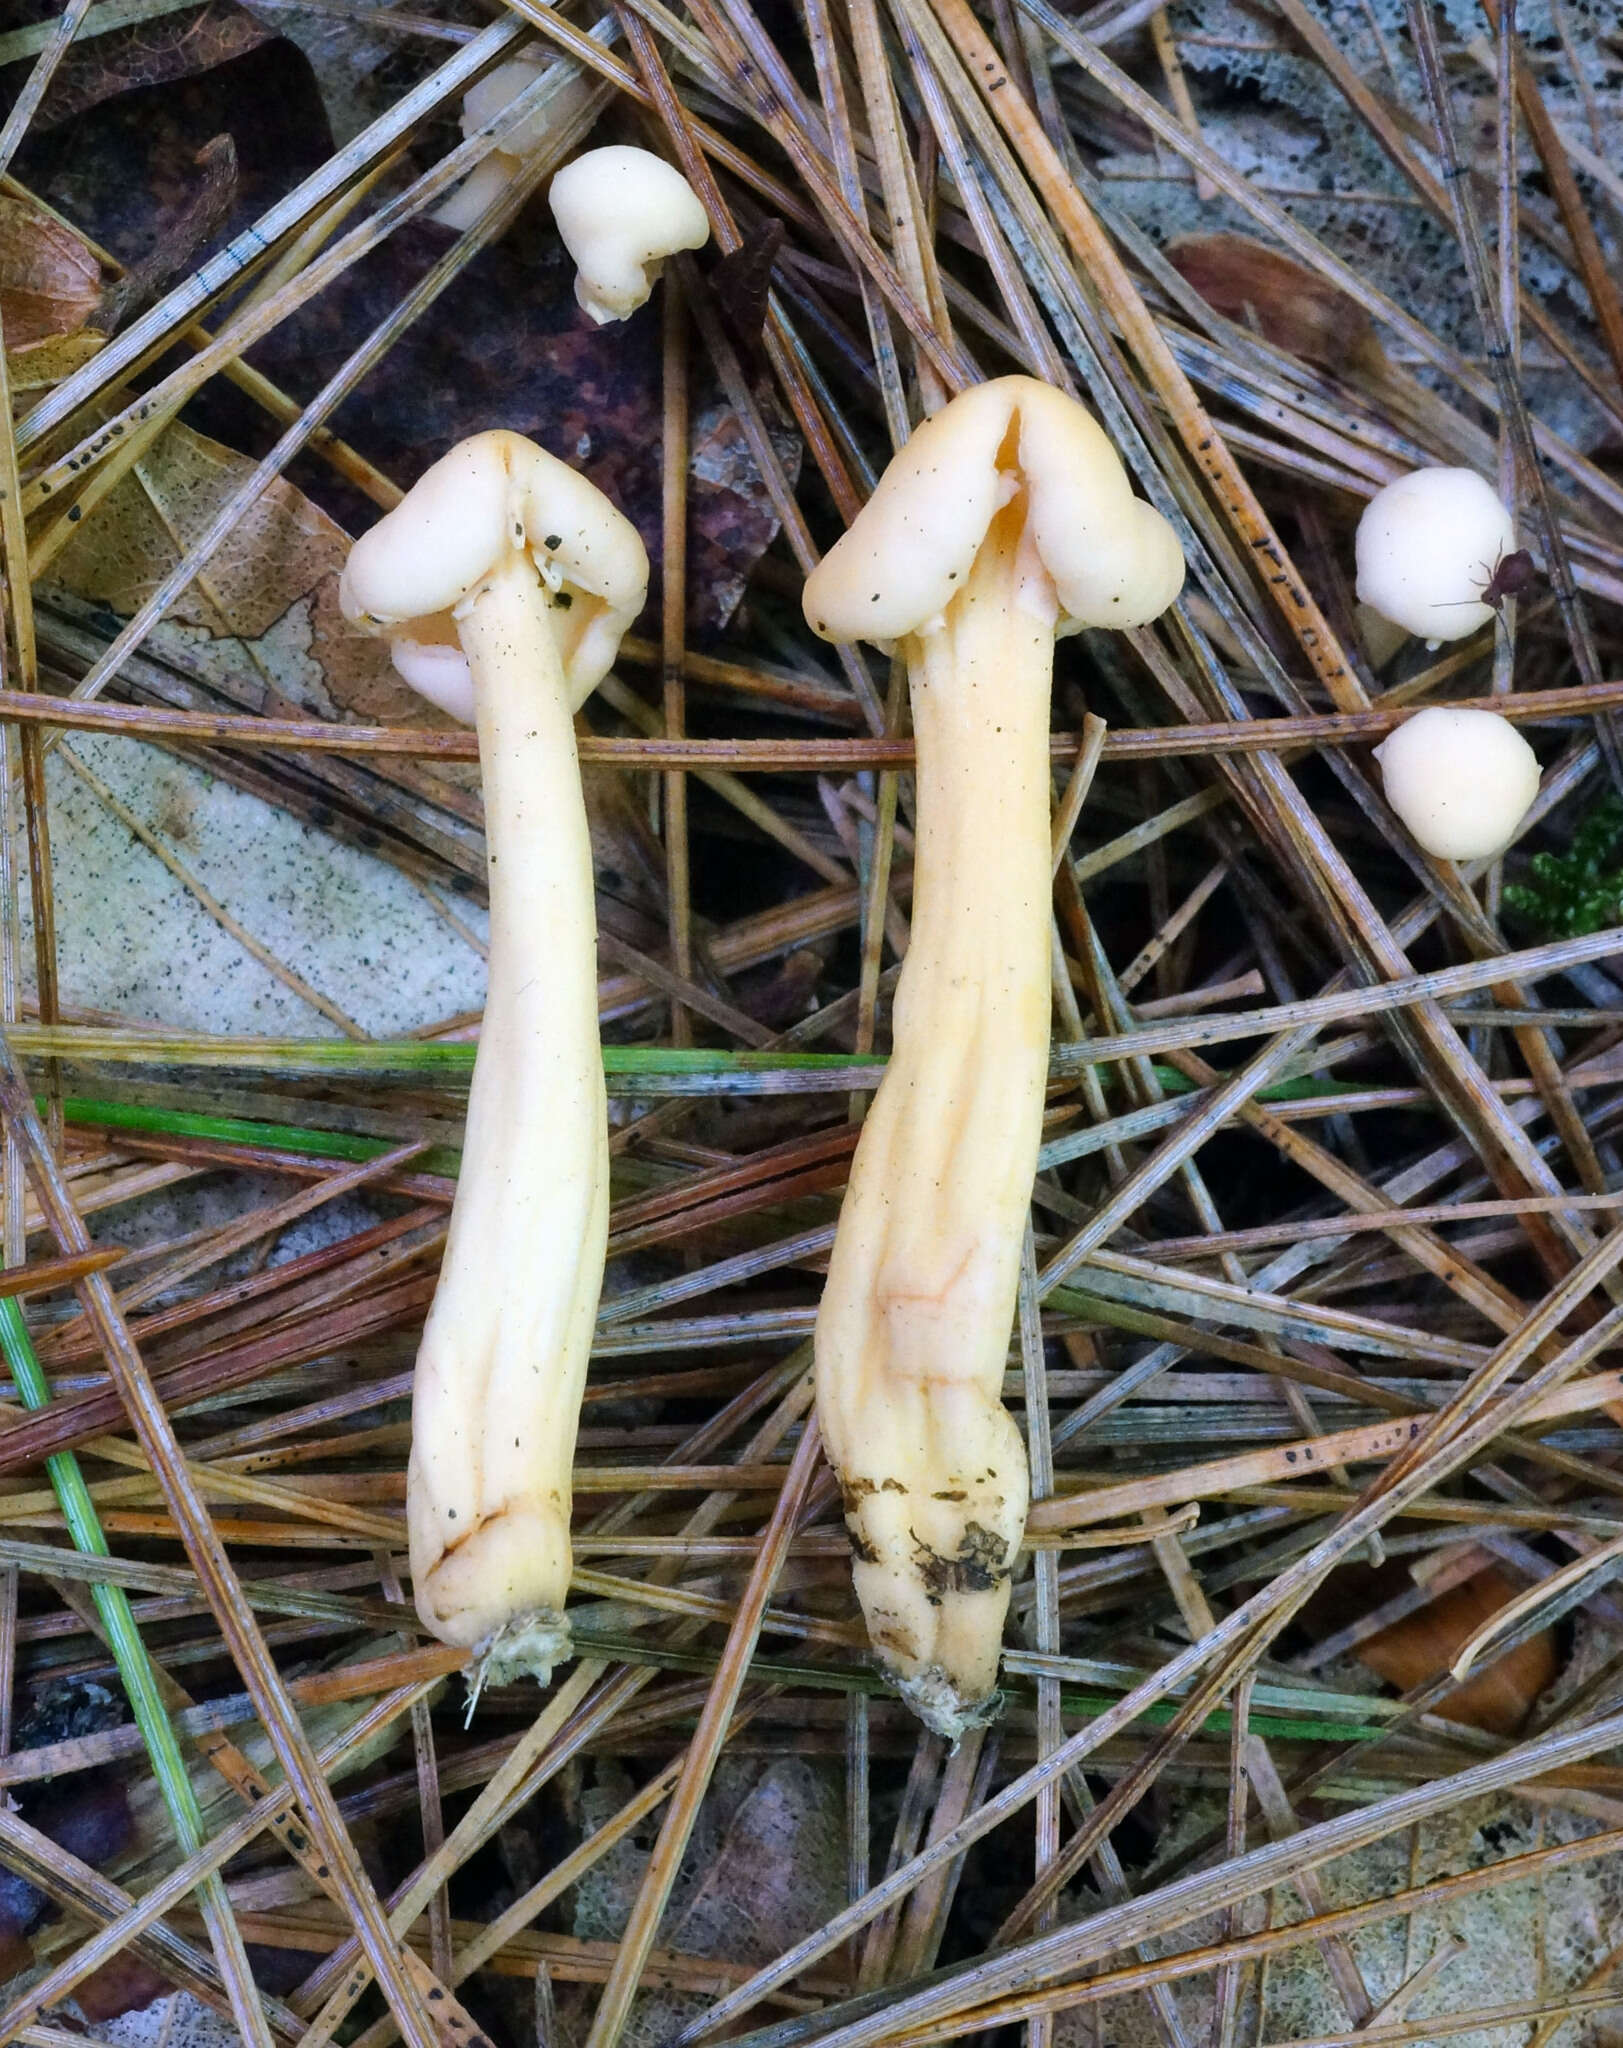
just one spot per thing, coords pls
(1006, 520)
(620, 212)
(1427, 546)
(536, 575)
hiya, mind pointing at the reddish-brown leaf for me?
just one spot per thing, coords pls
(1424, 1645)
(1284, 301)
(50, 283)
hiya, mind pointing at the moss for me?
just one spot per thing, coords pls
(1571, 894)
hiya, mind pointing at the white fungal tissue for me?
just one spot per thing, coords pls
(1462, 781)
(1427, 548)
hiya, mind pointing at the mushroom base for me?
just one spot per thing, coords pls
(531, 1645)
(939, 1705)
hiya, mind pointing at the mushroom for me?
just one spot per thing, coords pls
(491, 176)
(1428, 547)
(505, 581)
(1462, 781)
(1006, 521)
(620, 212)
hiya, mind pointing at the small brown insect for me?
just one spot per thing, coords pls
(1510, 576)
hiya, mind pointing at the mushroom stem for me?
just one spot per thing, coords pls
(913, 1331)
(503, 1358)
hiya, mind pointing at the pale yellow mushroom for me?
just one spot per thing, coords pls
(1461, 780)
(1006, 521)
(1427, 546)
(621, 211)
(563, 114)
(505, 581)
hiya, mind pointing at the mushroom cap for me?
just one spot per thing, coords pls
(1113, 560)
(487, 96)
(619, 211)
(1427, 545)
(437, 670)
(493, 496)
(1462, 781)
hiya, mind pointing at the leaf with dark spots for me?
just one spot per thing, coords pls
(143, 54)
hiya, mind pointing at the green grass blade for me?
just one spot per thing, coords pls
(112, 1602)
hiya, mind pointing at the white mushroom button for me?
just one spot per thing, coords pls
(1462, 781)
(620, 212)
(1427, 548)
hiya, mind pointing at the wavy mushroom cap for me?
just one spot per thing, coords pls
(492, 497)
(1426, 548)
(496, 91)
(1461, 780)
(621, 210)
(1111, 559)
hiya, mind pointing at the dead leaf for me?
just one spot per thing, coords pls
(1284, 301)
(89, 1816)
(741, 280)
(126, 1984)
(147, 53)
(124, 167)
(191, 229)
(1423, 1646)
(50, 284)
(279, 567)
(779, 1873)
(48, 362)
(508, 346)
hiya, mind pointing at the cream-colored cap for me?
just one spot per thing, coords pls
(497, 90)
(491, 176)
(620, 210)
(1462, 781)
(1112, 559)
(492, 496)
(1426, 548)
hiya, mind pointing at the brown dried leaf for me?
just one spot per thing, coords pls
(48, 362)
(741, 280)
(1423, 1646)
(507, 346)
(50, 284)
(146, 53)
(1282, 300)
(185, 233)
(125, 168)
(279, 554)
(126, 1984)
